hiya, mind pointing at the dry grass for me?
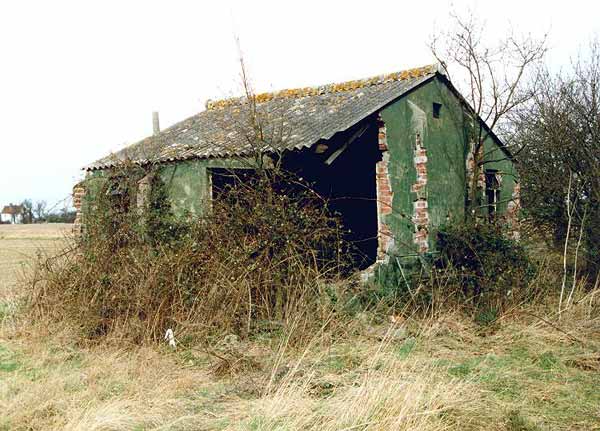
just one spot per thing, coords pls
(444, 373)
(52, 384)
(57, 386)
(19, 243)
(34, 231)
(261, 255)
(428, 375)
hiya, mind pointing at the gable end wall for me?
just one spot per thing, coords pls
(427, 166)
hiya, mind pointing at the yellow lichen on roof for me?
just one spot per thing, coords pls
(326, 89)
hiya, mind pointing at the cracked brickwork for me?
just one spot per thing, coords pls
(420, 205)
(78, 196)
(385, 196)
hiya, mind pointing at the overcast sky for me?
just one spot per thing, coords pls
(79, 79)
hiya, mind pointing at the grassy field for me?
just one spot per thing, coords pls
(18, 243)
(527, 372)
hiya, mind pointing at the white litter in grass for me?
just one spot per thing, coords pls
(170, 337)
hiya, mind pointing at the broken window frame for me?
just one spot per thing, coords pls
(493, 185)
(119, 195)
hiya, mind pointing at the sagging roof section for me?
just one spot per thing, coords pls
(291, 119)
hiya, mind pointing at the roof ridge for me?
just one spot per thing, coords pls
(293, 93)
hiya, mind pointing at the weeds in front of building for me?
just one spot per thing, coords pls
(268, 256)
(261, 257)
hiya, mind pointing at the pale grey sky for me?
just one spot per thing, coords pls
(79, 79)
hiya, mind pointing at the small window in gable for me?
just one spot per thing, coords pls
(437, 110)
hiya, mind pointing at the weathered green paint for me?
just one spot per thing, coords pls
(188, 183)
(446, 140)
(495, 158)
(94, 184)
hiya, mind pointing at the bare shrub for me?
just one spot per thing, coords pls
(560, 133)
(492, 76)
(478, 271)
(261, 255)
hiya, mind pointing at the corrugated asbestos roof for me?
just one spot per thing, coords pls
(291, 119)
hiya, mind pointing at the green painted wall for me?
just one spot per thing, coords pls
(187, 186)
(446, 141)
(188, 183)
(93, 183)
(496, 159)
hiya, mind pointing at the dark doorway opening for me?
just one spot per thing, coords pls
(342, 169)
(224, 179)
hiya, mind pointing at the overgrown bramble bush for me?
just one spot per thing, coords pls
(259, 255)
(490, 268)
(474, 266)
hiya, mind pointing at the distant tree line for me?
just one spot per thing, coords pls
(39, 212)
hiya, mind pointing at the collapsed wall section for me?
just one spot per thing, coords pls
(385, 195)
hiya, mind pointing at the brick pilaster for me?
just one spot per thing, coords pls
(471, 167)
(78, 196)
(385, 196)
(420, 205)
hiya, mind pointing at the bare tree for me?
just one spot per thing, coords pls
(493, 76)
(39, 210)
(264, 131)
(560, 132)
(27, 211)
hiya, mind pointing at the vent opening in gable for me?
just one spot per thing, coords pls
(437, 110)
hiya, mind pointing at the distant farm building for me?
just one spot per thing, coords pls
(13, 214)
(393, 152)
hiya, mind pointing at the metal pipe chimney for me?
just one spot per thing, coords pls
(155, 123)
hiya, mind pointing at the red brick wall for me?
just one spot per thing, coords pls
(78, 196)
(420, 209)
(385, 196)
